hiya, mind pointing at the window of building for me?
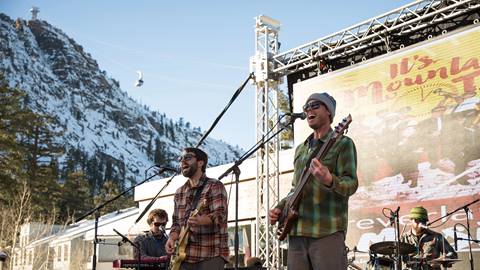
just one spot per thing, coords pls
(59, 253)
(65, 252)
(88, 251)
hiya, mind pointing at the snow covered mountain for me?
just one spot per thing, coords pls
(97, 117)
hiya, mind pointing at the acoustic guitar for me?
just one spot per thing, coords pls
(181, 244)
(289, 214)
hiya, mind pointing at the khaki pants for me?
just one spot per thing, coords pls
(326, 253)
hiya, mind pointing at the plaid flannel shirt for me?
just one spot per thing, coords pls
(324, 210)
(208, 241)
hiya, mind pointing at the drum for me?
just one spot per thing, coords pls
(380, 263)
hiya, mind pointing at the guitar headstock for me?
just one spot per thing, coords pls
(342, 126)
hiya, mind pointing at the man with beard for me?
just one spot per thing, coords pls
(152, 243)
(317, 239)
(207, 246)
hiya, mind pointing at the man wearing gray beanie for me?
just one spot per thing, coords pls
(317, 239)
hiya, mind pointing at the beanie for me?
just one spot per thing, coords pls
(327, 100)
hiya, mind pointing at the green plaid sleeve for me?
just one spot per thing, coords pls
(345, 173)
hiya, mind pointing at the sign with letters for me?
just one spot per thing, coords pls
(416, 126)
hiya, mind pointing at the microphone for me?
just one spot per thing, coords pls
(394, 215)
(163, 231)
(124, 239)
(295, 116)
(455, 239)
(165, 168)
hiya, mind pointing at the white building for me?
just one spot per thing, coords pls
(72, 247)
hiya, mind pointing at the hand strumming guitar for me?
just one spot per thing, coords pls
(321, 173)
(200, 220)
(170, 245)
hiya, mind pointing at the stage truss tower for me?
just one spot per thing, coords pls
(399, 28)
(266, 46)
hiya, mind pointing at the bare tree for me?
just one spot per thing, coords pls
(14, 214)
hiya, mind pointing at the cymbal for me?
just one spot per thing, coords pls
(413, 262)
(443, 260)
(390, 247)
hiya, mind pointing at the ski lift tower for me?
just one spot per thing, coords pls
(34, 11)
(267, 111)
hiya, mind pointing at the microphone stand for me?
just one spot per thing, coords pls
(397, 235)
(465, 207)
(97, 209)
(150, 204)
(235, 169)
(469, 239)
(453, 212)
(394, 220)
(137, 247)
(470, 255)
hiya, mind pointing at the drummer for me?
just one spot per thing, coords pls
(430, 245)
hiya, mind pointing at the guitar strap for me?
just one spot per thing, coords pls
(196, 197)
(313, 154)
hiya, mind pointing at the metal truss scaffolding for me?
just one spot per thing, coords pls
(266, 36)
(390, 31)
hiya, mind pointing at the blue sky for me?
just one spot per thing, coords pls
(194, 54)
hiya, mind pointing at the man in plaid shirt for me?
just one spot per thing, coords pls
(208, 243)
(317, 240)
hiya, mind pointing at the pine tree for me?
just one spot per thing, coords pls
(93, 174)
(11, 153)
(75, 197)
(149, 148)
(109, 190)
(27, 152)
(159, 154)
(38, 141)
(287, 135)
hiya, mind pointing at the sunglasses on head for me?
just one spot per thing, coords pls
(158, 224)
(187, 157)
(312, 105)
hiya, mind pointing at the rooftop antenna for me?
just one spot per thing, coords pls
(34, 11)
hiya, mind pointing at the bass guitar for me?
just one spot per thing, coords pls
(289, 214)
